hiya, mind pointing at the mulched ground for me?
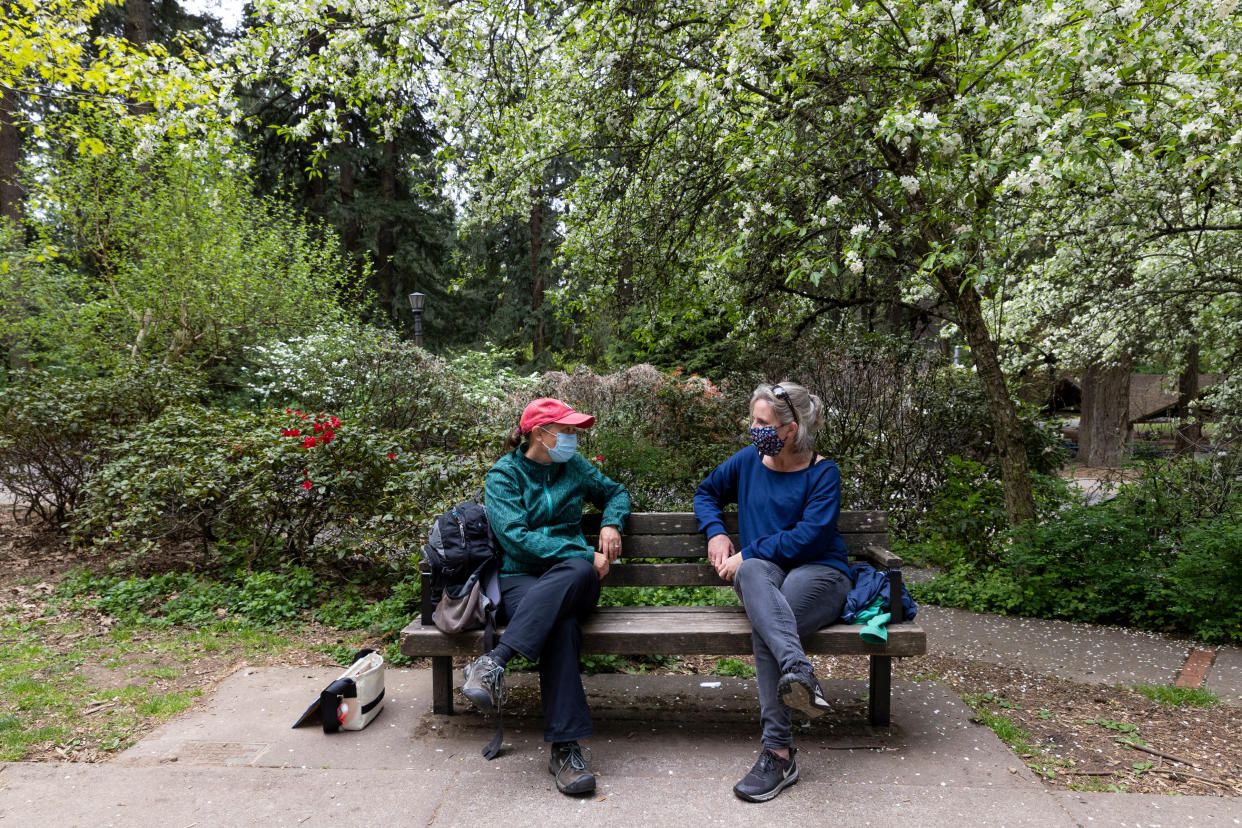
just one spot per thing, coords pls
(1079, 737)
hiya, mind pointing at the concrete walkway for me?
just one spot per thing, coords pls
(1082, 653)
(667, 750)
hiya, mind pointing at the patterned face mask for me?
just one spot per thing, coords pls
(766, 441)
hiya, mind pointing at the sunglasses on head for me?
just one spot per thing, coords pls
(783, 395)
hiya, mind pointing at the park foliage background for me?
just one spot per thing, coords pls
(209, 235)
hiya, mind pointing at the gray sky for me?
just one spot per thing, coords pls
(227, 10)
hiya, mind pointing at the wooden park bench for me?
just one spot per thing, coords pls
(666, 550)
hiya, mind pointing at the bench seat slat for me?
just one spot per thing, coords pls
(674, 630)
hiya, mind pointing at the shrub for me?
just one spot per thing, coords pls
(894, 412)
(656, 433)
(303, 487)
(372, 376)
(173, 259)
(56, 432)
(267, 598)
(965, 516)
(1164, 554)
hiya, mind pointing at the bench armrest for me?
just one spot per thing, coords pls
(880, 557)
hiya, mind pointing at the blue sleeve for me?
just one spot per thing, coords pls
(808, 539)
(719, 489)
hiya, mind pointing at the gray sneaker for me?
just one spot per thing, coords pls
(571, 768)
(485, 683)
(800, 691)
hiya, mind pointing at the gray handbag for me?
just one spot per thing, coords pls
(471, 605)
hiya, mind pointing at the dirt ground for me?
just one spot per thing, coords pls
(1080, 737)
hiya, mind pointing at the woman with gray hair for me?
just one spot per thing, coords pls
(791, 570)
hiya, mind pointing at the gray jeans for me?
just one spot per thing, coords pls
(782, 607)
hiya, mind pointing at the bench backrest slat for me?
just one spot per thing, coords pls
(694, 546)
(684, 523)
(675, 536)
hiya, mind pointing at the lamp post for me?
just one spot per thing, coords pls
(417, 301)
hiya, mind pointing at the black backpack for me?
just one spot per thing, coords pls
(461, 541)
(465, 570)
(465, 581)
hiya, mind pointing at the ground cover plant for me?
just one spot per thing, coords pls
(1163, 554)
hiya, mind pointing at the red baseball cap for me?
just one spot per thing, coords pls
(546, 410)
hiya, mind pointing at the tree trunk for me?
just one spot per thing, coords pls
(539, 337)
(1189, 435)
(1105, 414)
(1006, 427)
(10, 156)
(385, 237)
(139, 24)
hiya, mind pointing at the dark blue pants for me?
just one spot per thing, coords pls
(542, 616)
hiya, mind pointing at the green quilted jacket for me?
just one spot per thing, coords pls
(535, 509)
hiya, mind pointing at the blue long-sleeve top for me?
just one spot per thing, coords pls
(789, 518)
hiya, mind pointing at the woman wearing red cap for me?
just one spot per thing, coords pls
(549, 575)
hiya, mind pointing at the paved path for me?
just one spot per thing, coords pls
(668, 750)
(1078, 652)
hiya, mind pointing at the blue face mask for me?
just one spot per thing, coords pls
(565, 448)
(766, 440)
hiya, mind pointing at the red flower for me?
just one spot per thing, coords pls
(599, 458)
(310, 442)
(306, 484)
(305, 473)
(288, 410)
(298, 412)
(328, 434)
(392, 456)
(290, 432)
(334, 422)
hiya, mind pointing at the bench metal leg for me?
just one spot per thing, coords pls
(881, 690)
(442, 685)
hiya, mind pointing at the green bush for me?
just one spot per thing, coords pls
(965, 516)
(1164, 554)
(281, 486)
(470, 401)
(57, 432)
(170, 260)
(656, 433)
(263, 599)
(894, 413)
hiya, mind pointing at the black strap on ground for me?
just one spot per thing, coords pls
(492, 749)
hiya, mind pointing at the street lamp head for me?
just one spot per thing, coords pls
(417, 301)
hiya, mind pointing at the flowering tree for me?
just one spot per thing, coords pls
(773, 162)
(945, 145)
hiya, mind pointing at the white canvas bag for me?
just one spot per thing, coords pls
(353, 700)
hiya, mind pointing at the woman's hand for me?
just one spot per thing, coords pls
(728, 569)
(601, 565)
(609, 543)
(719, 548)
